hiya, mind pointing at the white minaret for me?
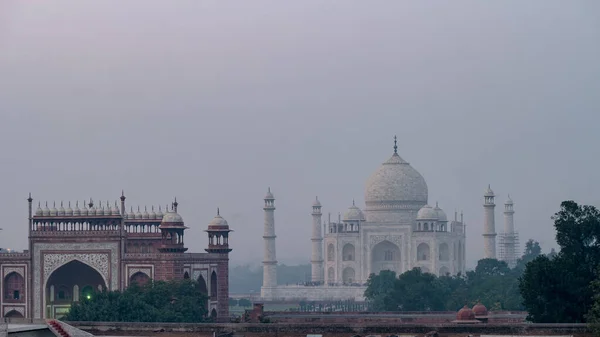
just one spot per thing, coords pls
(270, 258)
(316, 259)
(489, 225)
(510, 237)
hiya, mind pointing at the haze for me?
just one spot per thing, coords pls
(214, 101)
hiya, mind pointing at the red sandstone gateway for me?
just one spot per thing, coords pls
(107, 248)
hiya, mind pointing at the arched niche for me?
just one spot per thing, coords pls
(139, 278)
(348, 252)
(330, 275)
(13, 314)
(14, 288)
(423, 252)
(385, 256)
(213, 285)
(330, 252)
(60, 284)
(202, 284)
(348, 275)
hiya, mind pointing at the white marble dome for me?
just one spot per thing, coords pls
(218, 221)
(427, 213)
(354, 214)
(395, 182)
(441, 215)
(172, 217)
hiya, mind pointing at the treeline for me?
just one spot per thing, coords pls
(246, 279)
(492, 283)
(180, 301)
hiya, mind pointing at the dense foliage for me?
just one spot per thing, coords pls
(158, 301)
(562, 288)
(492, 283)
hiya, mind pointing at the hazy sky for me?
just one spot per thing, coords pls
(214, 101)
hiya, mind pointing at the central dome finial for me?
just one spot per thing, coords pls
(395, 145)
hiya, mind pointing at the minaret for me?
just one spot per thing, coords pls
(510, 238)
(316, 260)
(489, 226)
(270, 257)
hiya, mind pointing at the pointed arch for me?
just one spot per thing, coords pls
(14, 287)
(385, 256)
(348, 275)
(186, 275)
(330, 252)
(330, 275)
(13, 314)
(423, 252)
(213, 285)
(140, 278)
(202, 283)
(348, 252)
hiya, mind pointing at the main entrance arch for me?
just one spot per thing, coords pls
(385, 256)
(63, 289)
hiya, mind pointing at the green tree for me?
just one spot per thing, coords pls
(158, 301)
(418, 291)
(559, 290)
(379, 290)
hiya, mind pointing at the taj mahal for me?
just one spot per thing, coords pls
(398, 230)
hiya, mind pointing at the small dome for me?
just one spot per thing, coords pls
(76, 210)
(489, 192)
(146, 215)
(138, 215)
(69, 210)
(61, 210)
(39, 211)
(218, 222)
(316, 203)
(172, 218)
(480, 310)
(100, 209)
(159, 214)
(84, 210)
(427, 213)
(53, 211)
(115, 210)
(508, 201)
(441, 215)
(269, 194)
(465, 314)
(152, 213)
(354, 214)
(46, 210)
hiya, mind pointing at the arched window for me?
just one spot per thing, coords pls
(423, 252)
(213, 285)
(186, 275)
(330, 252)
(348, 275)
(14, 287)
(330, 274)
(139, 278)
(348, 252)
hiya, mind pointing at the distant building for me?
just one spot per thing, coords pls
(74, 252)
(398, 231)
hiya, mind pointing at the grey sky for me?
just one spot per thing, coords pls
(214, 101)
